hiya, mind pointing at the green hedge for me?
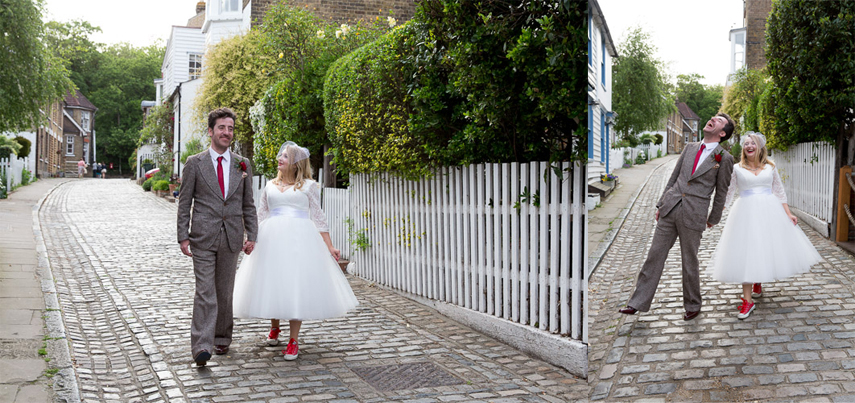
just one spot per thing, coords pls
(160, 185)
(147, 184)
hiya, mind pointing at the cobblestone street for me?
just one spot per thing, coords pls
(796, 345)
(126, 292)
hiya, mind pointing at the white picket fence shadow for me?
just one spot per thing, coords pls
(11, 170)
(459, 237)
(807, 171)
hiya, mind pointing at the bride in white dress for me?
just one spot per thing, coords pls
(761, 240)
(293, 272)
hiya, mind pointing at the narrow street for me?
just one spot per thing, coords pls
(796, 345)
(126, 293)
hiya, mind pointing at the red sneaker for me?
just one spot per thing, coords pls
(757, 290)
(745, 309)
(273, 337)
(292, 351)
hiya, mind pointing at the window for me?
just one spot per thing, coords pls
(228, 5)
(84, 120)
(603, 63)
(195, 66)
(69, 145)
(739, 51)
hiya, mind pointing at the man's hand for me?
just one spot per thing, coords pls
(248, 247)
(657, 215)
(185, 247)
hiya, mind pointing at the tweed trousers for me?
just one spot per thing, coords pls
(212, 305)
(668, 229)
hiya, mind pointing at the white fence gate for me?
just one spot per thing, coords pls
(502, 239)
(11, 171)
(807, 171)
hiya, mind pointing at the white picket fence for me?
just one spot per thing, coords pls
(807, 171)
(11, 170)
(461, 237)
(616, 155)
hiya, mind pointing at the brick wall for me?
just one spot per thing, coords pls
(755, 14)
(341, 11)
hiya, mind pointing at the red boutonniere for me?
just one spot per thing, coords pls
(718, 156)
(242, 166)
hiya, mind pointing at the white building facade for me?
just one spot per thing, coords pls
(601, 51)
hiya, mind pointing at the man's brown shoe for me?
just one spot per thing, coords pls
(220, 350)
(628, 310)
(689, 315)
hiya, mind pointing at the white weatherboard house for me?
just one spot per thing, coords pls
(601, 51)
(183, 64)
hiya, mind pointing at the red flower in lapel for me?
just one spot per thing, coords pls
(243, 166)
(718, 156)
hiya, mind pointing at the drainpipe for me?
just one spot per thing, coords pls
(178, 159)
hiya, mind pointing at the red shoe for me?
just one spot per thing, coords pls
(292, 351)
(757, 290)
(273, 337)
(745, 309)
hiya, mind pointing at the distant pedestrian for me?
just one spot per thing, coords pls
(294, 273)
(103, 171)
(81, 168)
(96, 170)
(760, 241)
(684, 211)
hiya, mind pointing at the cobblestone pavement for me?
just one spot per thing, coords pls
(796, 345)
(126, 293)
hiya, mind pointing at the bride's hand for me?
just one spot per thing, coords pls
(794, 219)
(335, 253)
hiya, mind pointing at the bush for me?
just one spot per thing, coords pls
(736, 152)
(26, 176)
(646, 138)
(659, 153)
(148, 183)
(659, 139)
(25, 146)
(640, 159)
(160, 185)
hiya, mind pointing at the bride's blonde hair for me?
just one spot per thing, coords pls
(762, 152)
(298, 162)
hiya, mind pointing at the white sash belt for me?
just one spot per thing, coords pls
(755, 191)
(289, 212)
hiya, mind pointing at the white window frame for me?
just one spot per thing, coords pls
(84, 120)
(227, 6)
(194, 61)
(69, 145)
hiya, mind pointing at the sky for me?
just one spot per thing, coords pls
(122, 20)
(691, 36)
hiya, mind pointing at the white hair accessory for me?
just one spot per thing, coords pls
(761, 139)
(294, 152)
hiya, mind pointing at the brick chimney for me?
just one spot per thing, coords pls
(200, 6)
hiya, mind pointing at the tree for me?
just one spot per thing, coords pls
(742, 101)
(125, 76)
(641, 97)
(71, 42)
(33, 77)
(809, 48)
(705, 100)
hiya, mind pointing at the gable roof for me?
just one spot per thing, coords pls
(77, 100)
(687, 112)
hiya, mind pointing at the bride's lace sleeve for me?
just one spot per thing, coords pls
(731, 190)
(315, 212)
(263, 210)
(778, 186)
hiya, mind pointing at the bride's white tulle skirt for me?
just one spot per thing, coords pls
(291, 275)
(760, 244)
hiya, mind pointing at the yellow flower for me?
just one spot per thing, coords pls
(281, 55)
(391, 21)
(321, 34)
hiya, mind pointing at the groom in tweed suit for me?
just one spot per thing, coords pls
(683, 211)
(217, 185)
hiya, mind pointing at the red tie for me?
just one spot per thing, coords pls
(697, 158)
(220, 175)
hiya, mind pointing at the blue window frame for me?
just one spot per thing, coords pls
(590, 131)
(590, 38)
(606, 139)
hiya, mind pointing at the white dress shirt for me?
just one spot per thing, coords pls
(226, 166)
(708, 149)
